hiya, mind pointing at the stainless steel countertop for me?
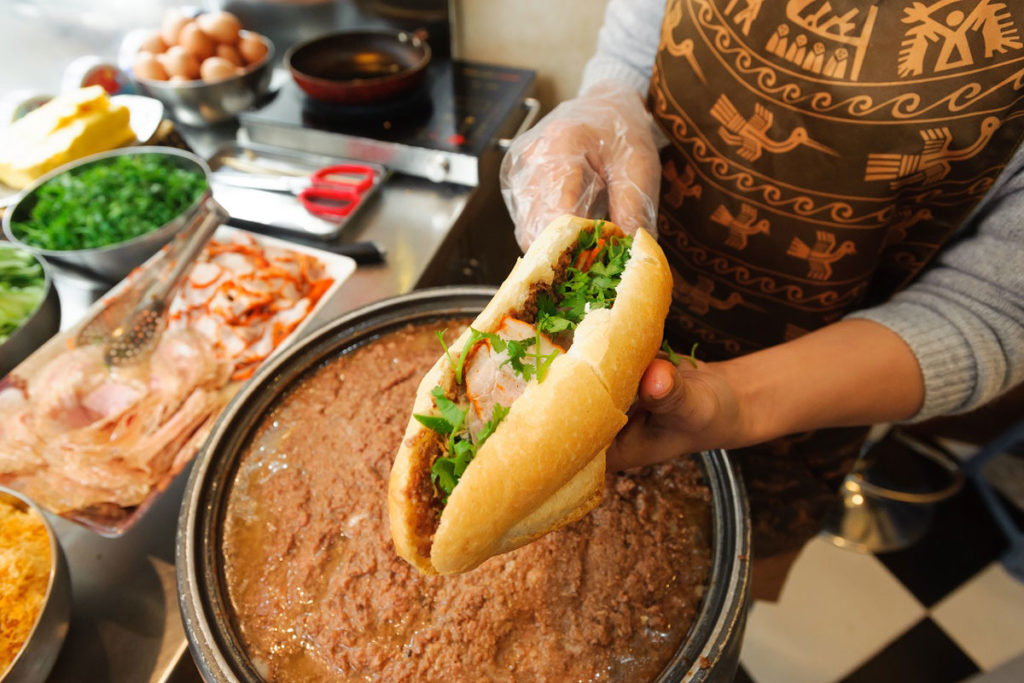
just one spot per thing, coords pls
(125, 624)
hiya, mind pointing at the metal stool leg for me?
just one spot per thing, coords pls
(1013, 558)
(873, 518)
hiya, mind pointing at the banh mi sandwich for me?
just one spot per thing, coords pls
(509, 428)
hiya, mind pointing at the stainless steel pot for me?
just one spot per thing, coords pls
(710, 652)
(43, 323)
(111, 263)
(38, 653)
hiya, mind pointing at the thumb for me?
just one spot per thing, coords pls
(660, 391)
(679, 398)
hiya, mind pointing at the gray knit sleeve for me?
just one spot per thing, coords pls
(626, 44)
(964, 317)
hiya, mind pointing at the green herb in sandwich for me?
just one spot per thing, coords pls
(461, 446)
(590, 281)
(675, 358)
(595, 270)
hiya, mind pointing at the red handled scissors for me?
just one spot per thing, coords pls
(331, 192)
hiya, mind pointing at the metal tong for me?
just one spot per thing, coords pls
(130, 326)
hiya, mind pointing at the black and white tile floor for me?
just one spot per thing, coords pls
(942, 610)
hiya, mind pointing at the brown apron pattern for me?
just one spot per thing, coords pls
(822, 153)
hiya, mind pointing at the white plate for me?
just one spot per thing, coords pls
(145, 115)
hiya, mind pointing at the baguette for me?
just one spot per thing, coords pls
(537, 463)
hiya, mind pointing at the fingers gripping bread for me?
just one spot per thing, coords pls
(540, 464)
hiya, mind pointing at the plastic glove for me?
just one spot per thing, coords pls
(592, 156)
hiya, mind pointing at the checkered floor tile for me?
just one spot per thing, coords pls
(943, 610)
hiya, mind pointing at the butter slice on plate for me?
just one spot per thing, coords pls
(68, 127)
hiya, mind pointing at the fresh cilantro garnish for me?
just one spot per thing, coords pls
(440, 337)
(434, 423)
(589, 284)
(451, 412)
(475, 337)
(674, 358)
(499, 414)
(462, 447)
(517, 350)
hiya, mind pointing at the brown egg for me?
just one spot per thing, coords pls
(252, 47)
(221, 26)
(170, 27)
(153, 43)
(147, 66)
(229, 53)
(177, 61)
(194, 40)
(216, 69)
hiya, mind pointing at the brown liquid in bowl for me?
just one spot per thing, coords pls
(319, 594)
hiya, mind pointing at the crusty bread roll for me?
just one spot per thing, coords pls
(543, 467)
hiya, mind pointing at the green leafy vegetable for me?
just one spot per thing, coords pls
(500, 412)
(434, 423)
(109, 202)
(674, 358)
(462, 447)
(440, 337)
(590, 283)
(517, 351)
(475, 336)
(22, 287)
(598, 264)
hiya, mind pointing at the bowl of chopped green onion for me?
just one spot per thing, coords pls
(29, 306)
(105, 214)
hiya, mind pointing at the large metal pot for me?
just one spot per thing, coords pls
(711, 651)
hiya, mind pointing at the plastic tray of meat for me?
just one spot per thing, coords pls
(97, 444)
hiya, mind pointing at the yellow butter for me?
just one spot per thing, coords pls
(69, 127)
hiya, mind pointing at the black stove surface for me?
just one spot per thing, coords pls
(457, 108)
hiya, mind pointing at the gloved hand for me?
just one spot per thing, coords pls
(592, 156)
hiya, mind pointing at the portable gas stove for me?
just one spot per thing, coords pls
(440, 131)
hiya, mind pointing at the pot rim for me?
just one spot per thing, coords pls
(719, 622)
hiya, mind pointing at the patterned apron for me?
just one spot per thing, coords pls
(822, 152)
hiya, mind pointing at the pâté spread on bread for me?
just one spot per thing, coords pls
(508, 432)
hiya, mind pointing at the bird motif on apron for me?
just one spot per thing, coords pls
(822, 152)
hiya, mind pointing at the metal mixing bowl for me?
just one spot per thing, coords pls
(111, 263)
(40, 650)
(41, 324)
(709, 653)
(196, 103)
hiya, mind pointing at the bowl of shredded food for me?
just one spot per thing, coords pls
(35, 591)
(29, 305)
(107, 213)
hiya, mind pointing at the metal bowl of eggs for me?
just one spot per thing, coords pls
(205, 69)
(35, 596)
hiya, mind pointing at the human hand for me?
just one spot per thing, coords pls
(679, 410)
(592, 156)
